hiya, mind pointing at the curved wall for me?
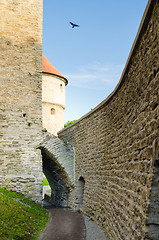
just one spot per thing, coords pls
(115, 143)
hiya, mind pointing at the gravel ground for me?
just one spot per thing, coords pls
(93, 232)
(66, 224)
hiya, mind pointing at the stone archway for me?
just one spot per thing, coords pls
(58, 167)
(58, 180)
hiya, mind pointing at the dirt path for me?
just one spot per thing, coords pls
(64, 225)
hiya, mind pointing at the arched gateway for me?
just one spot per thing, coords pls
(58, 167)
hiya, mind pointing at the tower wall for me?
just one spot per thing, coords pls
(21, 96)
(53, 103)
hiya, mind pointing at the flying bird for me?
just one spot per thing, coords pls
(74, 25)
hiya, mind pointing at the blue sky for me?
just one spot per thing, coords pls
(92, 57)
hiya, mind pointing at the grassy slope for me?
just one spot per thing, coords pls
(45, 182)
(20, 218)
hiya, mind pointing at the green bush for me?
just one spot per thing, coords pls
(69, 123)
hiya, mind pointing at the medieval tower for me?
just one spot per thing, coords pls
(21, 97)
(53, 97)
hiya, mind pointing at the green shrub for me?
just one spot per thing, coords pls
(69, 123)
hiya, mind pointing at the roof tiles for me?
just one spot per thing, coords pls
(47, 67)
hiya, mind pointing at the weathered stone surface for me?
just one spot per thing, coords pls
(114, 145)
(20, 109)
(58, 167)
(62, 153)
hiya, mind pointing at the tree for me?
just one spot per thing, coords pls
(69, 123)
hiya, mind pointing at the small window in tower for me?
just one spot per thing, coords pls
(61, 87)
(52, 111)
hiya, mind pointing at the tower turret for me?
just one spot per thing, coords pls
(53, 97)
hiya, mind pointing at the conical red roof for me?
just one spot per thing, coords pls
(47, 67)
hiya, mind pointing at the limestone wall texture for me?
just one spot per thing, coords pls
(115, 145)
(21, 96)
(62, 153)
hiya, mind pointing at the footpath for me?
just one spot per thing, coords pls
(65, 224)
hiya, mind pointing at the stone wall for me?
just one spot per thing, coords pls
(21, 97)
(115, 144)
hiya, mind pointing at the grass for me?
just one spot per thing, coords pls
(49, 191)
(20, 218)
(45, 182)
